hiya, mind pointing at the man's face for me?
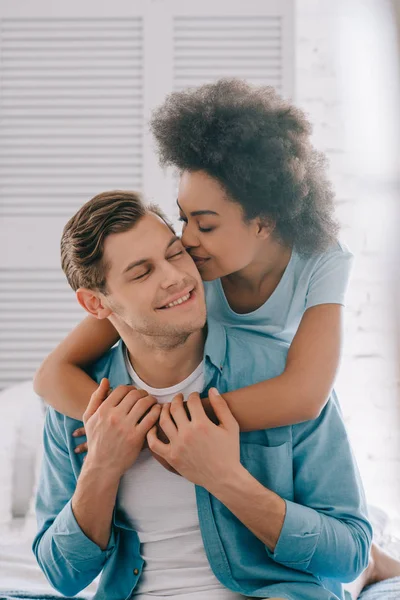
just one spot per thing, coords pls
(154, 286)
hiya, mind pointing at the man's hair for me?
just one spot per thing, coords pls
(257, 146)
(82, 241)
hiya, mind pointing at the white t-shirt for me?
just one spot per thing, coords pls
(161, 506)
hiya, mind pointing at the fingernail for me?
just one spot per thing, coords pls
(215, 391)
(77, 450)
(75, 434)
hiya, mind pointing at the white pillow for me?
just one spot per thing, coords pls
(21, 417)
(30, 517)
(9, 412)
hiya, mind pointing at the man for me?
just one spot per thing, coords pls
(275, 513)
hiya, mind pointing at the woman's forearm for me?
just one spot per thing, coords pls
(60, 379)
(276, 402)
(67, 389)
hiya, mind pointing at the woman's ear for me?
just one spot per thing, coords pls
(92, 303)
(265, 227)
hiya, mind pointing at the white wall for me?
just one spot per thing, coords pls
(346, 80)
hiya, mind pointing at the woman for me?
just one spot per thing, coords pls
(258, 220)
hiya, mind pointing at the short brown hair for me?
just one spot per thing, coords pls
(82, 241)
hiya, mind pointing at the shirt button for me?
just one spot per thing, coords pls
(136, 571)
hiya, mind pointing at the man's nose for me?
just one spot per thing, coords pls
(171, 275)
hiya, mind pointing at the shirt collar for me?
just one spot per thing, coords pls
(118, 374)
(215, 347)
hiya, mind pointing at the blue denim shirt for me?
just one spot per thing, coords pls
(325, 539)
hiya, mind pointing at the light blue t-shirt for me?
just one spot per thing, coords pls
(306, 282)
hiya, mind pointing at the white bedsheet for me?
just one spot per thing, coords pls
(18, 567)
(20, 571)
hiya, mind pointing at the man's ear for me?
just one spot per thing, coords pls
(92, 303)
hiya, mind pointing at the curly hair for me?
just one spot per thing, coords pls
(257, 146)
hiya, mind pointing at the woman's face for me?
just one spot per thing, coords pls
(214, 232)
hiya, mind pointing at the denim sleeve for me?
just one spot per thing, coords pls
(68, 558)
(326, 531)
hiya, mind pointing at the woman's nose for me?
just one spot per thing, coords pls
(189, 238)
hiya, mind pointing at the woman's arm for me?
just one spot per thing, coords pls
(303, 389)
(60, 379)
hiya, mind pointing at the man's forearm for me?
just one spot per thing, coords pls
(258, 508)
(297, 536)
(93, 502)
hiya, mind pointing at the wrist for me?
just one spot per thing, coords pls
(229, 482)
(106, 476)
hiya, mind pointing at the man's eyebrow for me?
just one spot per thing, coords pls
(142, 261)
(197, 213)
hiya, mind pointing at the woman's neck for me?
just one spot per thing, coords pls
(248, 289)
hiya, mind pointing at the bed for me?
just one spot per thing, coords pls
(21, 423)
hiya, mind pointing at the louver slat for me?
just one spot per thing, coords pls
(71, 112)
(207, 48)
(37, 309)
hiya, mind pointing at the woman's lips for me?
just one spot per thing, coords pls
(199, 261)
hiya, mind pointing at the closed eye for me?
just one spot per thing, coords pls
(176, 255)
(140, 276)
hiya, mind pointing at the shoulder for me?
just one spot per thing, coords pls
(337, 253)
(58, 429)
(110, 365)
(253, 356)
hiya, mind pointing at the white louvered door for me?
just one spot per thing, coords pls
(77, 82)
(71, 126)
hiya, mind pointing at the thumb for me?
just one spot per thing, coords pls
(221, 409)
(97, 398)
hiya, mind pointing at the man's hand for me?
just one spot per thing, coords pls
(199, 450)
(117, 426)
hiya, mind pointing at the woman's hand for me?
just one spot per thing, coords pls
(83, 447)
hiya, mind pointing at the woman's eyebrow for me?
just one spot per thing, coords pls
(197, 213)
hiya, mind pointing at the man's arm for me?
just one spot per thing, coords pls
(326, 531)
(75, 525)
(67, 556)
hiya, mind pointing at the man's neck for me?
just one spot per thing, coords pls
(165, 365)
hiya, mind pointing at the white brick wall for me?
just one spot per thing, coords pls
(367, 385)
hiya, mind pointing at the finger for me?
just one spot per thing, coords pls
(79, 432)
(178, 412)
(196, 408)
(139, 408)
(129, 401)
(81, 448)
(222, 410)
(166, 422)
(155, 444)
(118, 394)
(149, 420)
(96, 399)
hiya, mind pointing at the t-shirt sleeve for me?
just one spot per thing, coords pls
(330, 278)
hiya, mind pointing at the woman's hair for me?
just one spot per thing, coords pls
(257, 146)
(82, 241)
